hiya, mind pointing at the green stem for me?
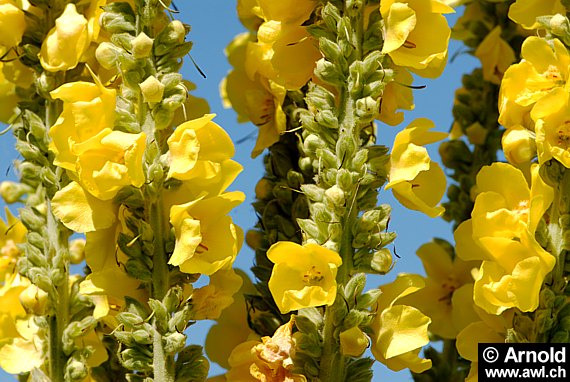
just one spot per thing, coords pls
(332, 366)
(57, 247)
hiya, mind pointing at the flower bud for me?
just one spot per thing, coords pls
(366, 109)
(11, 192)
(264, 189)
(560, 26)
(353, 342)
(313, 142)
(476, 134)
(34, 300)
(313, 192)
(77, 251)
(335, 196)
(75, 370)
(142, 337)
(152, 89)
(519, 145)
(329, 72)
(327, 119)
(254, 239)
(142, 46)
(174, 343)
(381, 261)
(107, 54)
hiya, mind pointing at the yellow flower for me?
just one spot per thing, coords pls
(66, 43)
(416, 34)
(353, 342)
(12, 232)
(525, 12)
(12, 24)
(416, 181)
(397, 95)
(284, 53)
(10, 307)
(400, 331)
(88, 108)
(287, 11)
(258, 100)
(444, 277)
(552, 127)
(209, 301)
(231, 328)
(249, 14)
(80, 211)
(109, 161)
(8, 98)
(488, 329)
(17, 73)
(303, 276)
(198, 149)
(501, 233)
(206, 238)
(543, 69)
(496, 55)
(269, 360)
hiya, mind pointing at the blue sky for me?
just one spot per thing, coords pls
(214, 24)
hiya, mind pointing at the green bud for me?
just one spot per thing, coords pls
(179, 320)
(57, 276)
(173, 299)
(142, 337)
(332, 52)
(328, 158)
(137, 269)
(152, 89)
(306, 165)
(312, 143)
(355, 286)
(455, 155)
(345, 147)
(107, 55)
(142, 46)
(552, 172)
(129, 320)
(546, 298)
(327, 119)
(174, 343)
(330, 73)
(118, 18)
(135, 360)
(160, 315)
(543, 320)
(565, 323)
(354, 318)
(366, 109)
(305, 325)
(381, 261)
(335, 196)
(191, 365)
(331, 16)
(45, 83)
(125, 338)
(33, 253)
(171, 36)
(310, 228)
(344, 179)
(367, 299)
(12, 192)
(75, 370)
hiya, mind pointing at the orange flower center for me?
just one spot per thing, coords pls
(313, 276)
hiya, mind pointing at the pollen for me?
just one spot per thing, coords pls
(313, 276)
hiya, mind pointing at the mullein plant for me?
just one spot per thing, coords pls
(510, 218)
(354, 68)
(114, 148)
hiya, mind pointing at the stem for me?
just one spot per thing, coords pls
(332, 366)
(57, 247)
